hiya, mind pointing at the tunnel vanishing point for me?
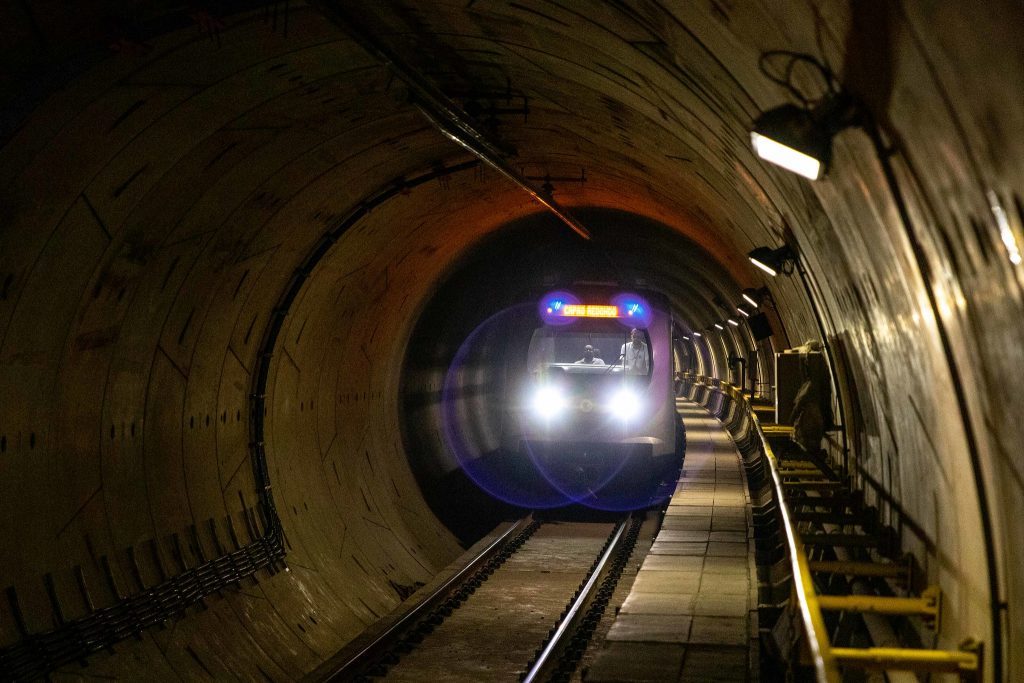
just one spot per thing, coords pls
(241, 241)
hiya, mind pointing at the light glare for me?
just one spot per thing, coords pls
(742, 312)
(787, 157)
(765, 267)
(733, 323)
(719, 326)
(625, 404)
(548, 402)
(750, 301)
(1005, 231)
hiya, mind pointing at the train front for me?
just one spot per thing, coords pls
(597, 413)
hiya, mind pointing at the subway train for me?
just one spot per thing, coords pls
(594, 409)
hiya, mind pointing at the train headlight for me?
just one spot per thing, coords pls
(549, 402)
(624, 404)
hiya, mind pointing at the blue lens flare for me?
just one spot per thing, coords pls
(579, 479)
(496, 454)
(638, 312)
(486, 464)
(551, 305)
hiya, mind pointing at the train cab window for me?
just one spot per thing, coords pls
(611, 351)
(635, 355)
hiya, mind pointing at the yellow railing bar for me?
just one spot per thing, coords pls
(926, 606)
(806, 465)
(889, 659)
(777, 430)
(821, 485)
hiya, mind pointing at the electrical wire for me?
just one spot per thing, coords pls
(785, 77)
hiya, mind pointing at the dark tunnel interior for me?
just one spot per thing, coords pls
(506, 274)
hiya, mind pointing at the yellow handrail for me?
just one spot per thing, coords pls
(810, 611)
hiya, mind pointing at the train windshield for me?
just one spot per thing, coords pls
(593, 351)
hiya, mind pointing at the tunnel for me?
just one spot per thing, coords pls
(242, 243)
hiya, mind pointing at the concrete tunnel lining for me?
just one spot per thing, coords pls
(176, 209)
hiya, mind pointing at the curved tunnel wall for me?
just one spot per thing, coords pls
(156, 206)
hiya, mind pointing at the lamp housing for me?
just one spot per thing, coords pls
(773, 261)
(755, 297)
(800, 139)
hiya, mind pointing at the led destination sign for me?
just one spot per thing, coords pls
(587, 311)
(562, 308)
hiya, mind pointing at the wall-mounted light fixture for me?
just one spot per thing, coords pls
(742, 311)
(755, 297)
(733, 322)
(697, 334)
(718, 327)
(773, 261)
(799, 137)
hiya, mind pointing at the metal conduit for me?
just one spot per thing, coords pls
(442, 112)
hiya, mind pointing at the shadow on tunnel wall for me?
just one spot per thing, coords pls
(869, 70)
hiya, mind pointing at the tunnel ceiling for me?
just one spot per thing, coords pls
(631, 98)
(593, 90)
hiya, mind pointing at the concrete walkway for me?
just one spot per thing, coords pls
(691, 614)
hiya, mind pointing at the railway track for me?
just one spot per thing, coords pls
(524, 609)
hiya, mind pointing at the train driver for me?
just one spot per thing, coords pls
(634, 354)
(589, 357)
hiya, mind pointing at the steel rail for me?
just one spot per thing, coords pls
(369, 653)
(365, 654)
(563, 627)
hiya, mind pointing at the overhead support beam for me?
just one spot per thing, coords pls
(441, 111)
